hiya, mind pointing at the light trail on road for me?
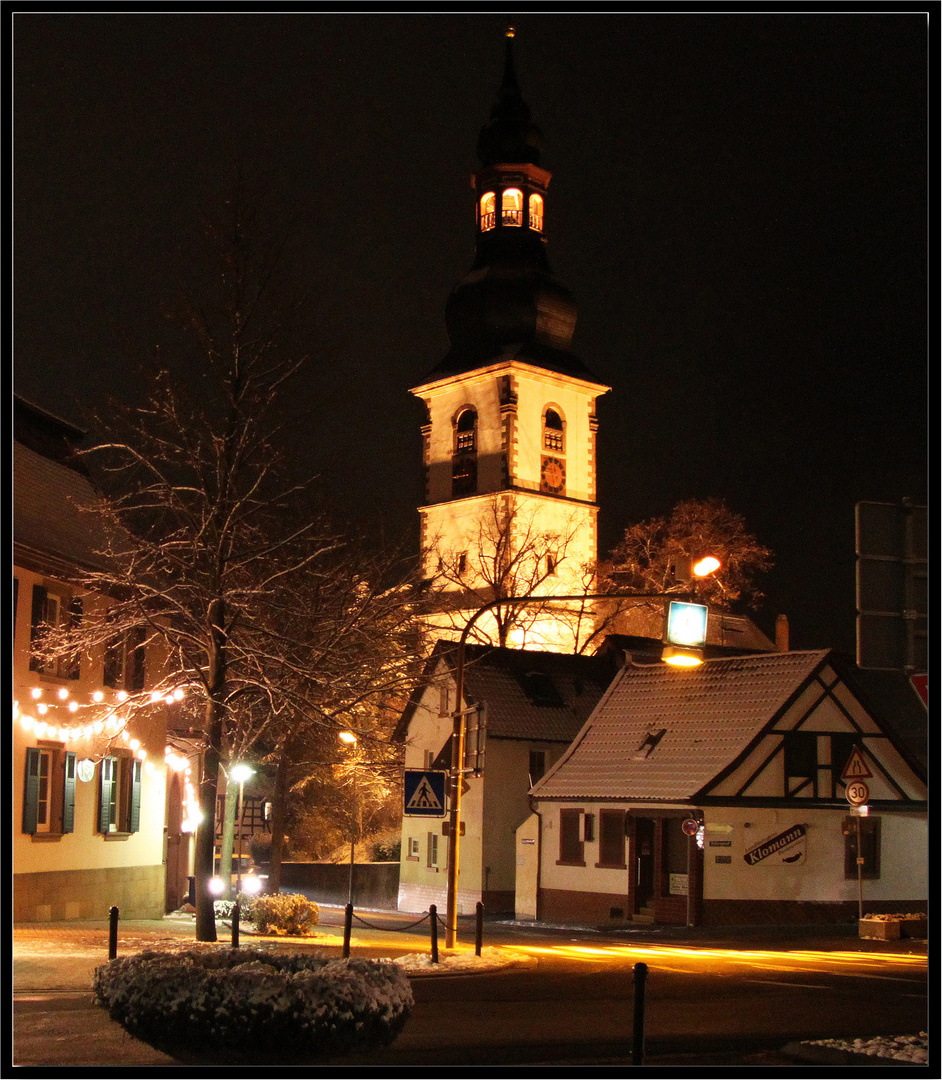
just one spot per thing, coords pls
(751, 957)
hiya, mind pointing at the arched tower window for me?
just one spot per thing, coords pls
(536, 213)
(511, 207)
(464, 464)
(553, 437)
(488, 211)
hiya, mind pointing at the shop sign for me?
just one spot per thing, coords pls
(784, 847)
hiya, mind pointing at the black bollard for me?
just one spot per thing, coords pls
(236, 913)
(478, 928)
(112, 933)
(433, 915)
(347, 927)
(637, 1030)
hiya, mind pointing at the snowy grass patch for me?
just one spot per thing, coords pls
(254, 1006)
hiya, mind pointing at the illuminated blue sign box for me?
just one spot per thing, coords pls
(686, 623)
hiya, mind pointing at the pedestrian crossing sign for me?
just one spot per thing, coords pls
(424, 793)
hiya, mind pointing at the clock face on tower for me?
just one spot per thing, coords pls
(552, 475)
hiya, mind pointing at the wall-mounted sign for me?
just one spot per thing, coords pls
(677, 884)
(784, 847)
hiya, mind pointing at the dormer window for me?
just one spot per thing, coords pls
(511, 207)
(536, 213)
(553, 431)
(488, 211)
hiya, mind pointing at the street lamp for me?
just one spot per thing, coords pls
(707, 566)
(240, 773)
(350, 741)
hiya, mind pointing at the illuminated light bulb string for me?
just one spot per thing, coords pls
(60, 716)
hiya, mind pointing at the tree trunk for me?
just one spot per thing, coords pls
(278, 823)
(227, 842)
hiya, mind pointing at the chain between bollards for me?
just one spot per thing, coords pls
(113, 933)
(433, 916)
(637, 1030)
(347, 927)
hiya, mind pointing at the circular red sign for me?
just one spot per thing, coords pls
(857, 793)
(690, 826)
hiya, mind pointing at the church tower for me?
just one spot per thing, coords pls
(510, 430)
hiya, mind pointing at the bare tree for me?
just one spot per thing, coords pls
(510, 553)
(652, 554)
(264, 617)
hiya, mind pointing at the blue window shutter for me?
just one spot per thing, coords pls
(68, 792)
(106, 781)
(31, 789)
(134, 811)
(36, 629)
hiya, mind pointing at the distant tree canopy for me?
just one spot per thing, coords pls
(646, 558)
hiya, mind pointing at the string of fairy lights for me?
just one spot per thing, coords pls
(81, 721)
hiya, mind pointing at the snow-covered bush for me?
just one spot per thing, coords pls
(254, 1007)
(283, 913)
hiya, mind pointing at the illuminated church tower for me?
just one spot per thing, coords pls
(510, 430)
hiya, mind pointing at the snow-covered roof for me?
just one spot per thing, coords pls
(662, 733)
(47, 509)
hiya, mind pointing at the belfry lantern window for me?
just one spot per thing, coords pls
(536, 213)
(552, 431)
(488, 211)
(511, 207)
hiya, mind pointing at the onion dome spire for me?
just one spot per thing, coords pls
(510, 136)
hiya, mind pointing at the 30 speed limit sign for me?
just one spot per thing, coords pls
(857, 793)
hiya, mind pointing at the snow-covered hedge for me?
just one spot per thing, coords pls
(283, 913)
(253, 1006)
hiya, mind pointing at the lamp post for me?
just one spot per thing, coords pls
(240, 773)
(350, 740)
(701, 569)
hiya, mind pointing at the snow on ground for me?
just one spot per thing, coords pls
(491, 957)
(914, 1048)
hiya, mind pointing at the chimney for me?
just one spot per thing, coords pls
(781, 633)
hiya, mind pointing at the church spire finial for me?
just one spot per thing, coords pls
(510, 136)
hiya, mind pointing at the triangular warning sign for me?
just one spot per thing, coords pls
(424, 798)
(856, 767)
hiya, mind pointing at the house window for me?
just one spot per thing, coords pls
(125, 661)
(119, 795)
(488, 211)
(536, 213)
(49, 791)
(431, 851)
(511, 207)
(462, 562)
(537, 765)
(52, 610)
(869, 847)
(553, 431)
(412, 849)
(612, 838)
(570, 838)
(801, 762)
(550, 565)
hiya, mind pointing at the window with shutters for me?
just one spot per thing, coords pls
(49, 791)
(125, 661)
(431, 851)
(51, 610)
(119, 795)
(571, 852)
(869, 850)
(612, 838)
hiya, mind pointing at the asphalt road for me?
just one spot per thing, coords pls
(570, 1001)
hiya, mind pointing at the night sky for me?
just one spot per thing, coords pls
(738, 205)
